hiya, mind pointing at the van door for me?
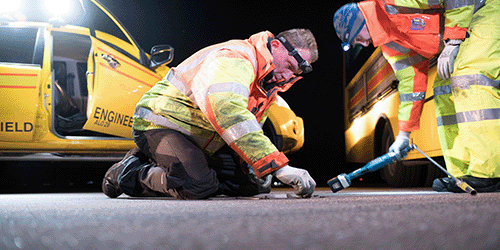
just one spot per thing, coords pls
(118, 82)
(117, 75)
(20, 73)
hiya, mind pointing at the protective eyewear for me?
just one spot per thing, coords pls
(304, 65)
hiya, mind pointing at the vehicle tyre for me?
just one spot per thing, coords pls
(397, 174)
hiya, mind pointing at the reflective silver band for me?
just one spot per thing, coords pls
(182, 86)
(214, 48)
(408, 62)
(233, 87)
(433, 2)
(412, 97)
(465, 81)
(397, 47)
(478, 115)
(469, 116)
(446, 120)
(455, 4)
(238, 130)
(164, 122)
(442, 90)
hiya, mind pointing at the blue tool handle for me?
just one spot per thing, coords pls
(377, 163)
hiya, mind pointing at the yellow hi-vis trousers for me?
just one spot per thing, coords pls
(468, 105)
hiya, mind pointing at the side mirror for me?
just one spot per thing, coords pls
(161, 54)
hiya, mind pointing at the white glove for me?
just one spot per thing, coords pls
(447, 57)
(402, 141)
(298, 178)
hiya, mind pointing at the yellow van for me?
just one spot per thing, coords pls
(371, 102)
(70, 91)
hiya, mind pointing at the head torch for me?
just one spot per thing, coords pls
(304, 65)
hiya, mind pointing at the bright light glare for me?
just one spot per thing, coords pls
(57, 7)
(9, 6)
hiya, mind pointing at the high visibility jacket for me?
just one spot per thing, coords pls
(457, 15)
(216, 97)
(409, 33)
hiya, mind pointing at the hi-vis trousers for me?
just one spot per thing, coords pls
(468, 105)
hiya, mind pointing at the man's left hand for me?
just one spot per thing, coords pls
(447, 57)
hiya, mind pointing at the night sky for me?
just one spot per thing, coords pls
(191, 25)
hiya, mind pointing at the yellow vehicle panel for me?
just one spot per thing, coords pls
(19, 90)
(119, 85)
(366, 107)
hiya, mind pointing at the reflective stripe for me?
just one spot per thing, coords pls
(465, 81)
(238, 130)
(197, 61)
(164, 122)
(234, 87)
(455, 4)
(179, 84)
(442, 90)
(392, 10)
(478, 115)
(411, 97)
(397, 47)
(469, 116)
(478, 5)
(446, 120)
(433, 2)
(407, 62)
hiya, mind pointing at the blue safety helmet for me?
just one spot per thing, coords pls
(348, 22)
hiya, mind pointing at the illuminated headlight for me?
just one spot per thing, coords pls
(57, 7)
(345, 46)
(7, 6)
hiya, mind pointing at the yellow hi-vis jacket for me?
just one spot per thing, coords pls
(215, 97)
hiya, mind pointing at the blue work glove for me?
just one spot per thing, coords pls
(298, 178)
(447, 57)
(402, 141)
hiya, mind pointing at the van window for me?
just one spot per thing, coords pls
(17, 44)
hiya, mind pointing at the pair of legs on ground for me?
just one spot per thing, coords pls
(169, 164)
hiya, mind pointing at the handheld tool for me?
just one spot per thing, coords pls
(343, 181)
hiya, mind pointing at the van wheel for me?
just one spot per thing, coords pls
(397, 174)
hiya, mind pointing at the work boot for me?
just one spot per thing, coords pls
(110, 185)
(481, 185)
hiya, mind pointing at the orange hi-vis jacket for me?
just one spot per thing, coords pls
(409, 33)
(216, 97)
(418, 32)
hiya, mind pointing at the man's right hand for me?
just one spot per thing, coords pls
(298, 178)
(402, 141)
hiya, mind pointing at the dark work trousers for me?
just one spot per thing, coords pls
(183, 171)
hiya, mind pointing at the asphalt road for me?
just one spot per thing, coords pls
(355, 218)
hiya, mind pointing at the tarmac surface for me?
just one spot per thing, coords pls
(355, 218)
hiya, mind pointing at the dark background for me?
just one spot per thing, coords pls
(191, 25)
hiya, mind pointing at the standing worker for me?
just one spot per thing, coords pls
(202, 122)
(467, 104)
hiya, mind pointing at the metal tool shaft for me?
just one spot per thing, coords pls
(461, 184)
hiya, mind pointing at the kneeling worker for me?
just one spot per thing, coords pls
(198, 130)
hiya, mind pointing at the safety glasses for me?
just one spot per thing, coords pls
(304, 65)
